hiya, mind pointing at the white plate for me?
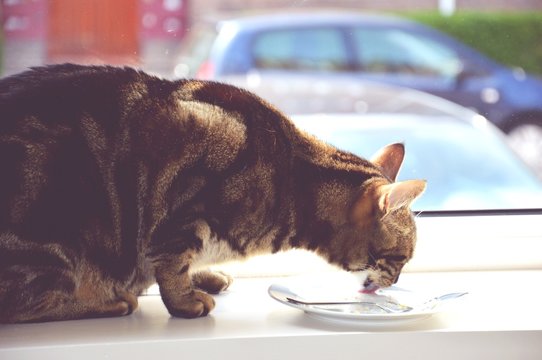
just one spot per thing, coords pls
(386, 305)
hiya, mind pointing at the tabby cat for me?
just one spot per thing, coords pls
(111, 180)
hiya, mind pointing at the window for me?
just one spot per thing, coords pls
(358, 81)
(399, 52)
(320, 61)
(301, 50)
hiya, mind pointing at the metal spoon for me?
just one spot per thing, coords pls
(440, 299)
(400, 307)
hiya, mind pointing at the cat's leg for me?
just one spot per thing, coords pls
(212, 282)
(177, 291)
(57, 306)
(51, 296)
(172, 259)
(39, 283)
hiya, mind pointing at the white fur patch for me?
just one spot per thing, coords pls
(360, 276)
(214, 251)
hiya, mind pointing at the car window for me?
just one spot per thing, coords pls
(301, 49)
(399, 52)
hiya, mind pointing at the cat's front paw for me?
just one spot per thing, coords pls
(211, 282)
(192, 305)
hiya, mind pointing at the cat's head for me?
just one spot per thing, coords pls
(381, 233)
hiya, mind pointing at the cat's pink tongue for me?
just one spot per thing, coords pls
(369, 289)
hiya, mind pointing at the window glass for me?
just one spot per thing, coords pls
(466, 167)
(457, 102)
(399, 52)
(301, 49)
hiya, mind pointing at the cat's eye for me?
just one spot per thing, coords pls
(357, 269)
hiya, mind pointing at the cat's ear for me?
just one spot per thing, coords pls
(383, 198)
(389, 159)
(400, 194)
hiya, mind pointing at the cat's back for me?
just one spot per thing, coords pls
(63, 88)
(60, 128)
(61, 78)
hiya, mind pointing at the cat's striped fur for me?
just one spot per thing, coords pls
(111, 179)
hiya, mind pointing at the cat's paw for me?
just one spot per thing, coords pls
(211, 282)
(195, 304)
(126, 302)
(118, 308)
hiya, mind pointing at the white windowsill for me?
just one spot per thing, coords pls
(501, 318)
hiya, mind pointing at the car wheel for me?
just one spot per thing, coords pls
(526, 140)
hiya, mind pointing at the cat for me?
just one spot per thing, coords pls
(112, 180)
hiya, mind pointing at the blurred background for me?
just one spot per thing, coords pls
(147, 33)
(457, 80)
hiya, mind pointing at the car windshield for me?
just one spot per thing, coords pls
(479, 173)
(473, 176)
(459, 84)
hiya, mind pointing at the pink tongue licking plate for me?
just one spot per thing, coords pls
(369, 289)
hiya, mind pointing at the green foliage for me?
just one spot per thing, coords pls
(513, 39)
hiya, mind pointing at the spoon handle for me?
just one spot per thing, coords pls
(301, 302)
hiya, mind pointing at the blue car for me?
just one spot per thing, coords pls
(313, 53)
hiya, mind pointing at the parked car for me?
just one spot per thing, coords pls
(465, 159)
(467, 165)
(318, 53)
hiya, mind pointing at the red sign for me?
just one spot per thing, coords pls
(24, 19)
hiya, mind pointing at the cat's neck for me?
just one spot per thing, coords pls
(326, 181)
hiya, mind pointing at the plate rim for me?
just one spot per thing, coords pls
(328, 314)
